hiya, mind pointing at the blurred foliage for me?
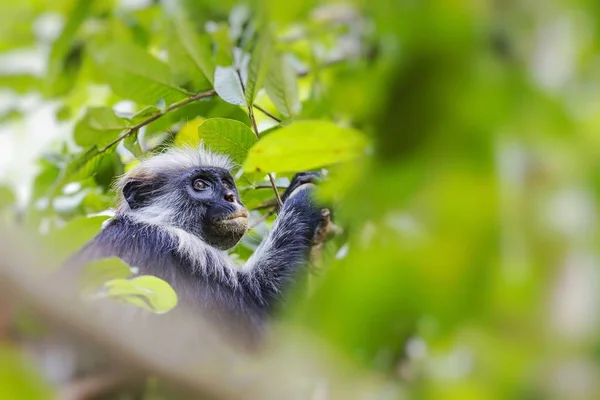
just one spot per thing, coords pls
(459, 139)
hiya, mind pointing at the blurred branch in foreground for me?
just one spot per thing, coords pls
(185, 353)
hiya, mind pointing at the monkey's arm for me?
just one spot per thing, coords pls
(285, 249)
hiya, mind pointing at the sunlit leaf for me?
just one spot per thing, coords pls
(148, 292)
(227, 136)
(188, 135)
(282, 86)
(305, 145)
(136, 75)
(259, 66)
(228, 86)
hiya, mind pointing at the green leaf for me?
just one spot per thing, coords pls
(65, 55)
(132, 144)
(134, 74)
(195, 46)
(148, 292)
(97, 273)
(144, 114)
(282, 86)
(228, 86)
(305, 145)
(20, 83)
(71, 237)
(99, 126)
(259, 65)
(7, 197)
(227, 136)
(84, 166)
(16, 21)
(188, 134)
(18, 378)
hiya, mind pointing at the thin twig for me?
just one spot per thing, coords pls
(266, 204)
(172, 107)
(268, 187)
(263, 217)
(268, 114)
(255, 128)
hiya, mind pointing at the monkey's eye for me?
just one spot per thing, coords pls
(199, 184)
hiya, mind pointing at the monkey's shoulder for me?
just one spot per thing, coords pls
(142, 246)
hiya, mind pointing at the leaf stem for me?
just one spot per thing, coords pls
(268, 114)
(172, 107)
(255, 129)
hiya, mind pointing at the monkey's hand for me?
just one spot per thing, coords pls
(302, 180)
(325, 229)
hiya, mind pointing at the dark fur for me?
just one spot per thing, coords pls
(244, 296)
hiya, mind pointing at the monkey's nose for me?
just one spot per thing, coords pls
(229, 197)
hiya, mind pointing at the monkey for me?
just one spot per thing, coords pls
(178, 214)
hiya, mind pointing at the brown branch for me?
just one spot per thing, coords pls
(198, 361)
(255, 128)
(172, 107)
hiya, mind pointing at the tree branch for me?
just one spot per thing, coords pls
(182, 348)
(172, 107)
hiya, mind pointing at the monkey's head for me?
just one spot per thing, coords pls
(187, 189)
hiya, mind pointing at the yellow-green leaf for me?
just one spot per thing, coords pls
(227, 136)
(96, 273)
(305, 145)
(259, 65)
(282, 86)
(148, 292)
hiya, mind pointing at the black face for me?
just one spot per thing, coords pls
(212, 193)
(203, 201)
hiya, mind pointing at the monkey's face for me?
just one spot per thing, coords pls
(202, 200)
(216, 207)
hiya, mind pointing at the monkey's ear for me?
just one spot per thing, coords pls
(136, 194)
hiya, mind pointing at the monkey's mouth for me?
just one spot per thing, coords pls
(235, 217)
